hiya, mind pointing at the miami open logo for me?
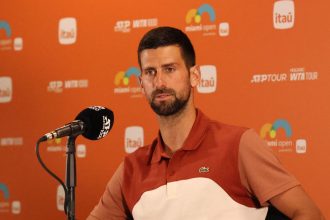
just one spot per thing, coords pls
(7, 43)
(270, 131)
(128, 81)
(5, 203)
(273, 134)
(203, 19)
(195, 16)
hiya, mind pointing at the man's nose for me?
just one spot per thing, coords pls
(160, 79)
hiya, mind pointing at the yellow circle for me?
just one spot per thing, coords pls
(198, 19)
(125, 81)
(272, 133)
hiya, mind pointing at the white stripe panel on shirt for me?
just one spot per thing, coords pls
(193, 199)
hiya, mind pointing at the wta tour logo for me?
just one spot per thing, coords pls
(203, 19)
(5, 202)
(8, 43)
(128, 82)
(279, 136)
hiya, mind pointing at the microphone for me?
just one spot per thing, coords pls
(93, 123)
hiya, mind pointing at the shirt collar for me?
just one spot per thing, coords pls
(192, 142)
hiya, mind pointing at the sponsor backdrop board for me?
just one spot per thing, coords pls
(264, 64)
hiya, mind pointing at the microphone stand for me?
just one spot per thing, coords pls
(71, 176)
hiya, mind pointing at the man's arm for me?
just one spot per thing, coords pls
(296, 204)
(264, 177)
(112, 204)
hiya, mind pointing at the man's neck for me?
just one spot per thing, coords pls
(175, 129)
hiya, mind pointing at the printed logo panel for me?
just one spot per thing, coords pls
(6, 89)
(81, 151)
(195, 15)
(16, 207)
(279, 136)
(18, 44)
(208, 81)
(283, 14)
(301, 146)
(60, 198)
(224, 29)
(4, 25)
(134, 138)
(67, 31)
(127, 82)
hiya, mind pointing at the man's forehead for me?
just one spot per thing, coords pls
(161, 56)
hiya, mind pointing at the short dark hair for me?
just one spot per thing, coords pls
(166, 36)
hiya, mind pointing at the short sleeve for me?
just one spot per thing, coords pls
(112, 204)
(260, 171)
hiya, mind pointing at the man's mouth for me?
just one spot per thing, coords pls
(162, 96)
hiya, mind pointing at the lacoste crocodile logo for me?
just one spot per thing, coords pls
(204, 170)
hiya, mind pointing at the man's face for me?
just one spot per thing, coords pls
(165, 79)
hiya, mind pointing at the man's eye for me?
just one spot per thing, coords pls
(169, 69)
(150, 72)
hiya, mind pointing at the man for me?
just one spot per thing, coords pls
(196, 168)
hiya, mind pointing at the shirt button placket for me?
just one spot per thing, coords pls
(171, 185)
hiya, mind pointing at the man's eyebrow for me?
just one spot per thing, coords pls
(163, 65)
(169, 64)
(148, 68)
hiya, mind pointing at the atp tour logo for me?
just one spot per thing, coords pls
(274, 137)
(283, 14)
(125, 26)
(7, 43)
(128, 81)
(194, 18)
(5, 203)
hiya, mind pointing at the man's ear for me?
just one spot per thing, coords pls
(141, 84)
(195, 75)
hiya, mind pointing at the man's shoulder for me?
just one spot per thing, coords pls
(217, 126)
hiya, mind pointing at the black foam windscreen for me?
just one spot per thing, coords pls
(98, 121)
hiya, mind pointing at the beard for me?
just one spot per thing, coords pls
(169, 107)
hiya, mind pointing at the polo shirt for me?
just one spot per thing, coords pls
(220, 172)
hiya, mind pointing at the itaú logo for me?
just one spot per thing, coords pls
(134, 137)
(283, 14)
(208, 81)
(196, 14)
(6, 89)
(67, 31)
(271, 129)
